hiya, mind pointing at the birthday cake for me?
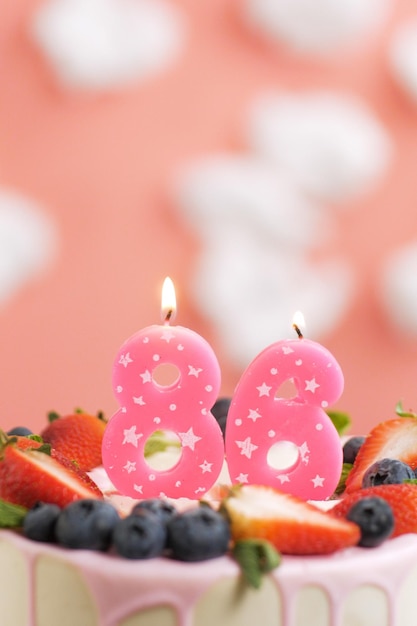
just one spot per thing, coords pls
(327, 574)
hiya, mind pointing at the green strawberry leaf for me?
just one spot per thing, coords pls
(255, 557)
(341, 421)
(346, 467)
(52, 416)
(401, 413)
(11, 515)
(37, 438)
(158, 442)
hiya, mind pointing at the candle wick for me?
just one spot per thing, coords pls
(168, 316)
(298, 331)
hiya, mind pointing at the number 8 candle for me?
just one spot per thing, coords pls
(182, 407)
(258, 420)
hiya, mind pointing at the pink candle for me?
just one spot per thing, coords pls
(182, 407)
(258, 420)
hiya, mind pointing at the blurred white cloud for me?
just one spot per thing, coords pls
(316, 27)
(104, 44)
(330, 143)
(28, 242)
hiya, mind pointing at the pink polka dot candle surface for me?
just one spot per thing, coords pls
(182, 407)
(259, 420)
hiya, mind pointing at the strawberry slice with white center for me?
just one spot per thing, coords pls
(291, 525)
(392, 439)
(29, 476)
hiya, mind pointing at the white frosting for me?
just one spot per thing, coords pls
(331, 143)
(28, 242)
(99, 44)
(403, 56)
(399, 288)
(316, 26)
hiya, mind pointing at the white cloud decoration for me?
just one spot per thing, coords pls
(316, 27)
(104, 44)
(28, 242)
(255, 270)
(330, 143)
(403, 57)
(399, 288)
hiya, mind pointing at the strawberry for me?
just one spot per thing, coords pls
(290, 524)
(402, 499)
(393, 439)
(78, 437)
(30, 475)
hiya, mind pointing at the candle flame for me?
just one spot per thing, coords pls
(298, 323)
(168, 301)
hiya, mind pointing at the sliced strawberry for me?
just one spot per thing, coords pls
(401, 498)
(29, 476)
(393, 439)
(292, 525)
(78, 436)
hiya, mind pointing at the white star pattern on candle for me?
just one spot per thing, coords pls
(206, 467)
(283, 478)
(130, 436)
(200, 490)
(125, 359)
(246, 447)
(304, 451)
(264, 390)
(138, 488)
(139, 400)
(242, 478)
(194, 371)
(189, 439)
(254, 415)
(317, 481)
(167, 335)
(287, 349)
(130, 466)
(311, 385)
(146, 376)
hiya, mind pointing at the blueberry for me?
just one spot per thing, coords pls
(19, 431)
(162, 508)
(140, 536)
(198, 534)
(40, 521)
(86, 524)
(220, 410)
(387, 472)
(375, 519)
(351, 449)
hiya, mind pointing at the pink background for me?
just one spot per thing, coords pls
(102, 165)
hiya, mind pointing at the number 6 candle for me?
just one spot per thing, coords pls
(182, 407)
(258, 420)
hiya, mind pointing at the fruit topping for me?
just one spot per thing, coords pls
(141, 535)
(86, 524)
(28, 476)
(40, 521)
(220, 410)
(198, 534)
(375, 519)
(387, 472)
(351, 449)
(20, 431)
(392, 439)
(163, 509)
(77, 436)
(292, 525)
(401, 498)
